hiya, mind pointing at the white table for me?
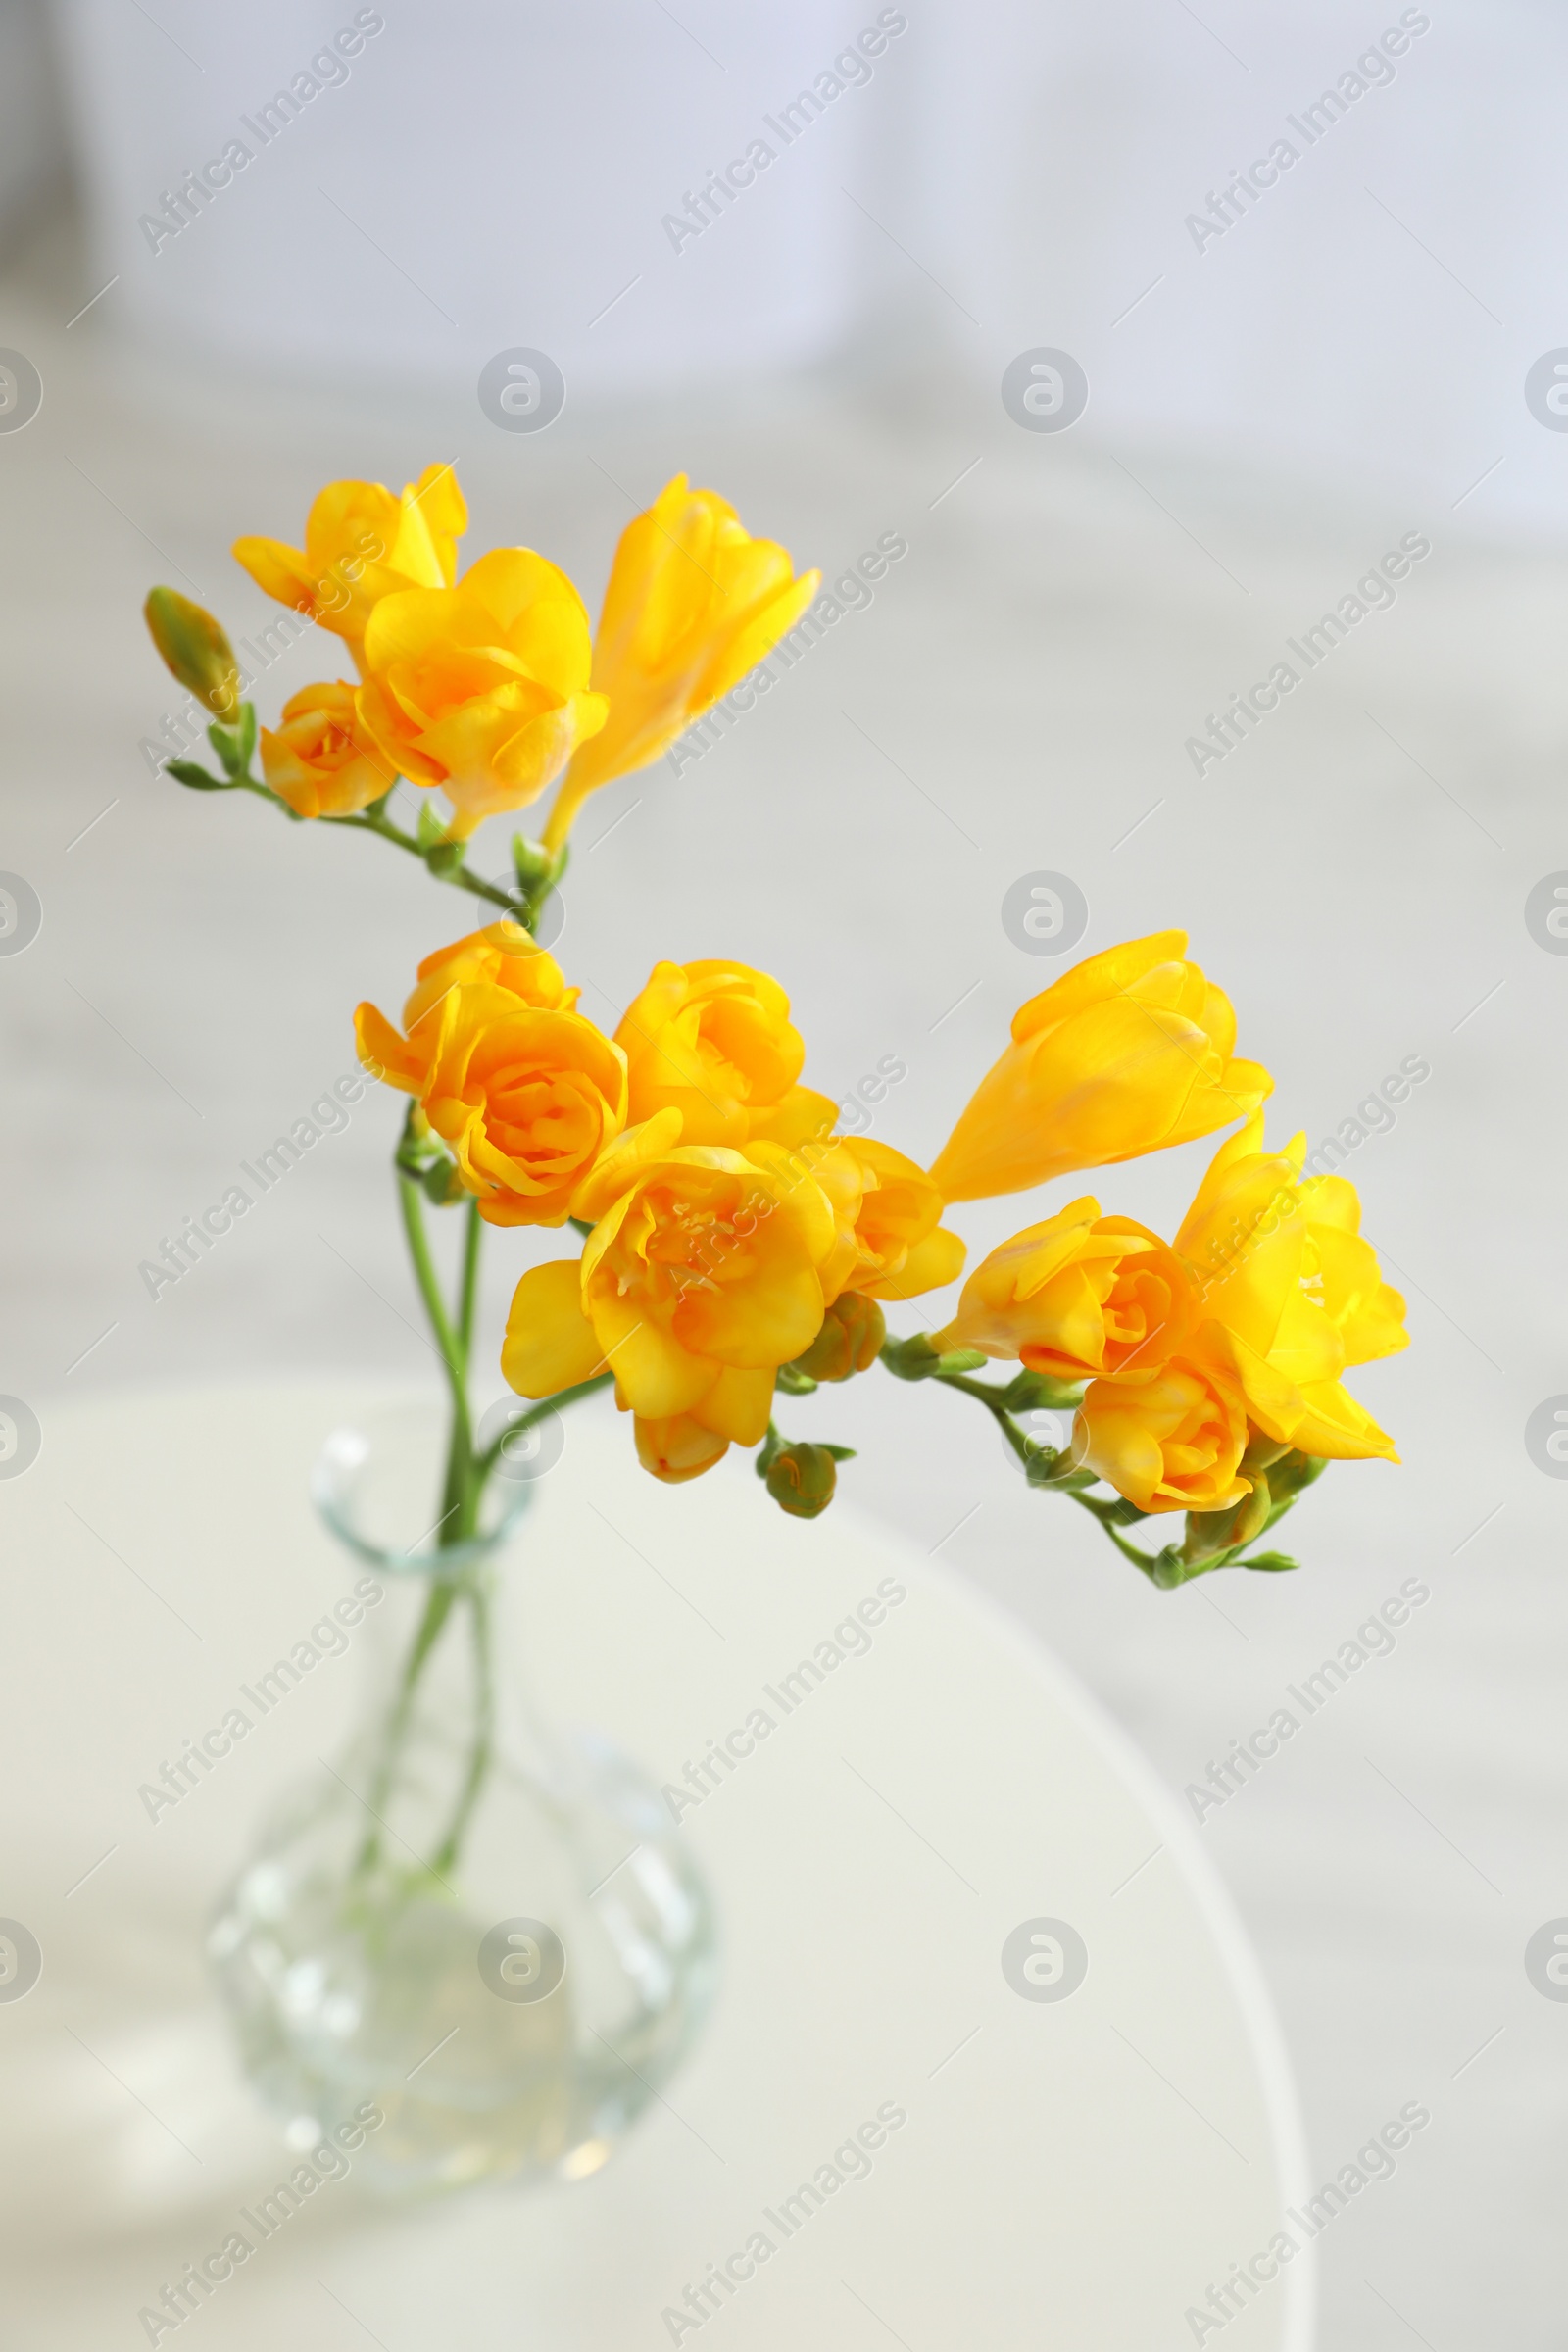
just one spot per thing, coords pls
(1073, 2173)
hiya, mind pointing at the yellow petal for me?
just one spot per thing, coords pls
(549, 1343)
(677, 1448)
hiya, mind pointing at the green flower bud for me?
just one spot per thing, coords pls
(848, 1342)
(801, 1479)
(194, 647)
(1210, 1532)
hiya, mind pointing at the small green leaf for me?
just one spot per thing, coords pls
(196, 779)
(1273, 1563)
(796, 1383)
(432, 827)
(840, 1453)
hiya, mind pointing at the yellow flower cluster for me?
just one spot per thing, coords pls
(492, 686)
(726, 1217)
(731, 1232)
(1204, 1358)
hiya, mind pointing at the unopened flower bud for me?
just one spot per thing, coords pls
(1210, 1532)
(848, 1342)
(194, 647)
(801, 1479)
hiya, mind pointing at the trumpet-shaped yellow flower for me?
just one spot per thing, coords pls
(362, 544)
(701, 1277)
(320, 760)
(693, 603)
(526, 1099)
(714, 1041)
(1280, 1264)
(891, 1240)
(1128, 1052)
(1173, 1442)
(1080, 1297)
(482, 688)
(502, 955)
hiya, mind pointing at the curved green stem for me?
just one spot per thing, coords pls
(485, 1463)
(462, 876)
(468, 1293)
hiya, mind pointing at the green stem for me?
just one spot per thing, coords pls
(437, 1605)
(469, 1293)
(483, 1733)
(463, 878)
(485, 1463)
(1102, 1511)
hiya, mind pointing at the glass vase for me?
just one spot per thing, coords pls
(485, 1931)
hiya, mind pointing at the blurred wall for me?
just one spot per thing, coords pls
(32, 150)
(989, 180)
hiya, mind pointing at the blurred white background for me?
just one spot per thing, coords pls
(1266, 416)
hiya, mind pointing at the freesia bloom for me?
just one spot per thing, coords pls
(1281, 1266)
(502, 954)
(482, 688)
(526, 1099)
(714, 1041)
(891, 1240)
(362, 544)
(693, 603)
(701, 1277)
(1170, 1444)
(320, 760)
(1080, 1297)
(1127, 1052)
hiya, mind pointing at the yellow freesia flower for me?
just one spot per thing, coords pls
(482, 688)
(502, 954)
(1128, 1052)
(714, 1041)
(1170, 1444)
(527, 1098)
(693, 603)
(320, 760)
(1281, 1266)
(701, 1277)
(362, 544)
(1080, 1297)
(891, 1240)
